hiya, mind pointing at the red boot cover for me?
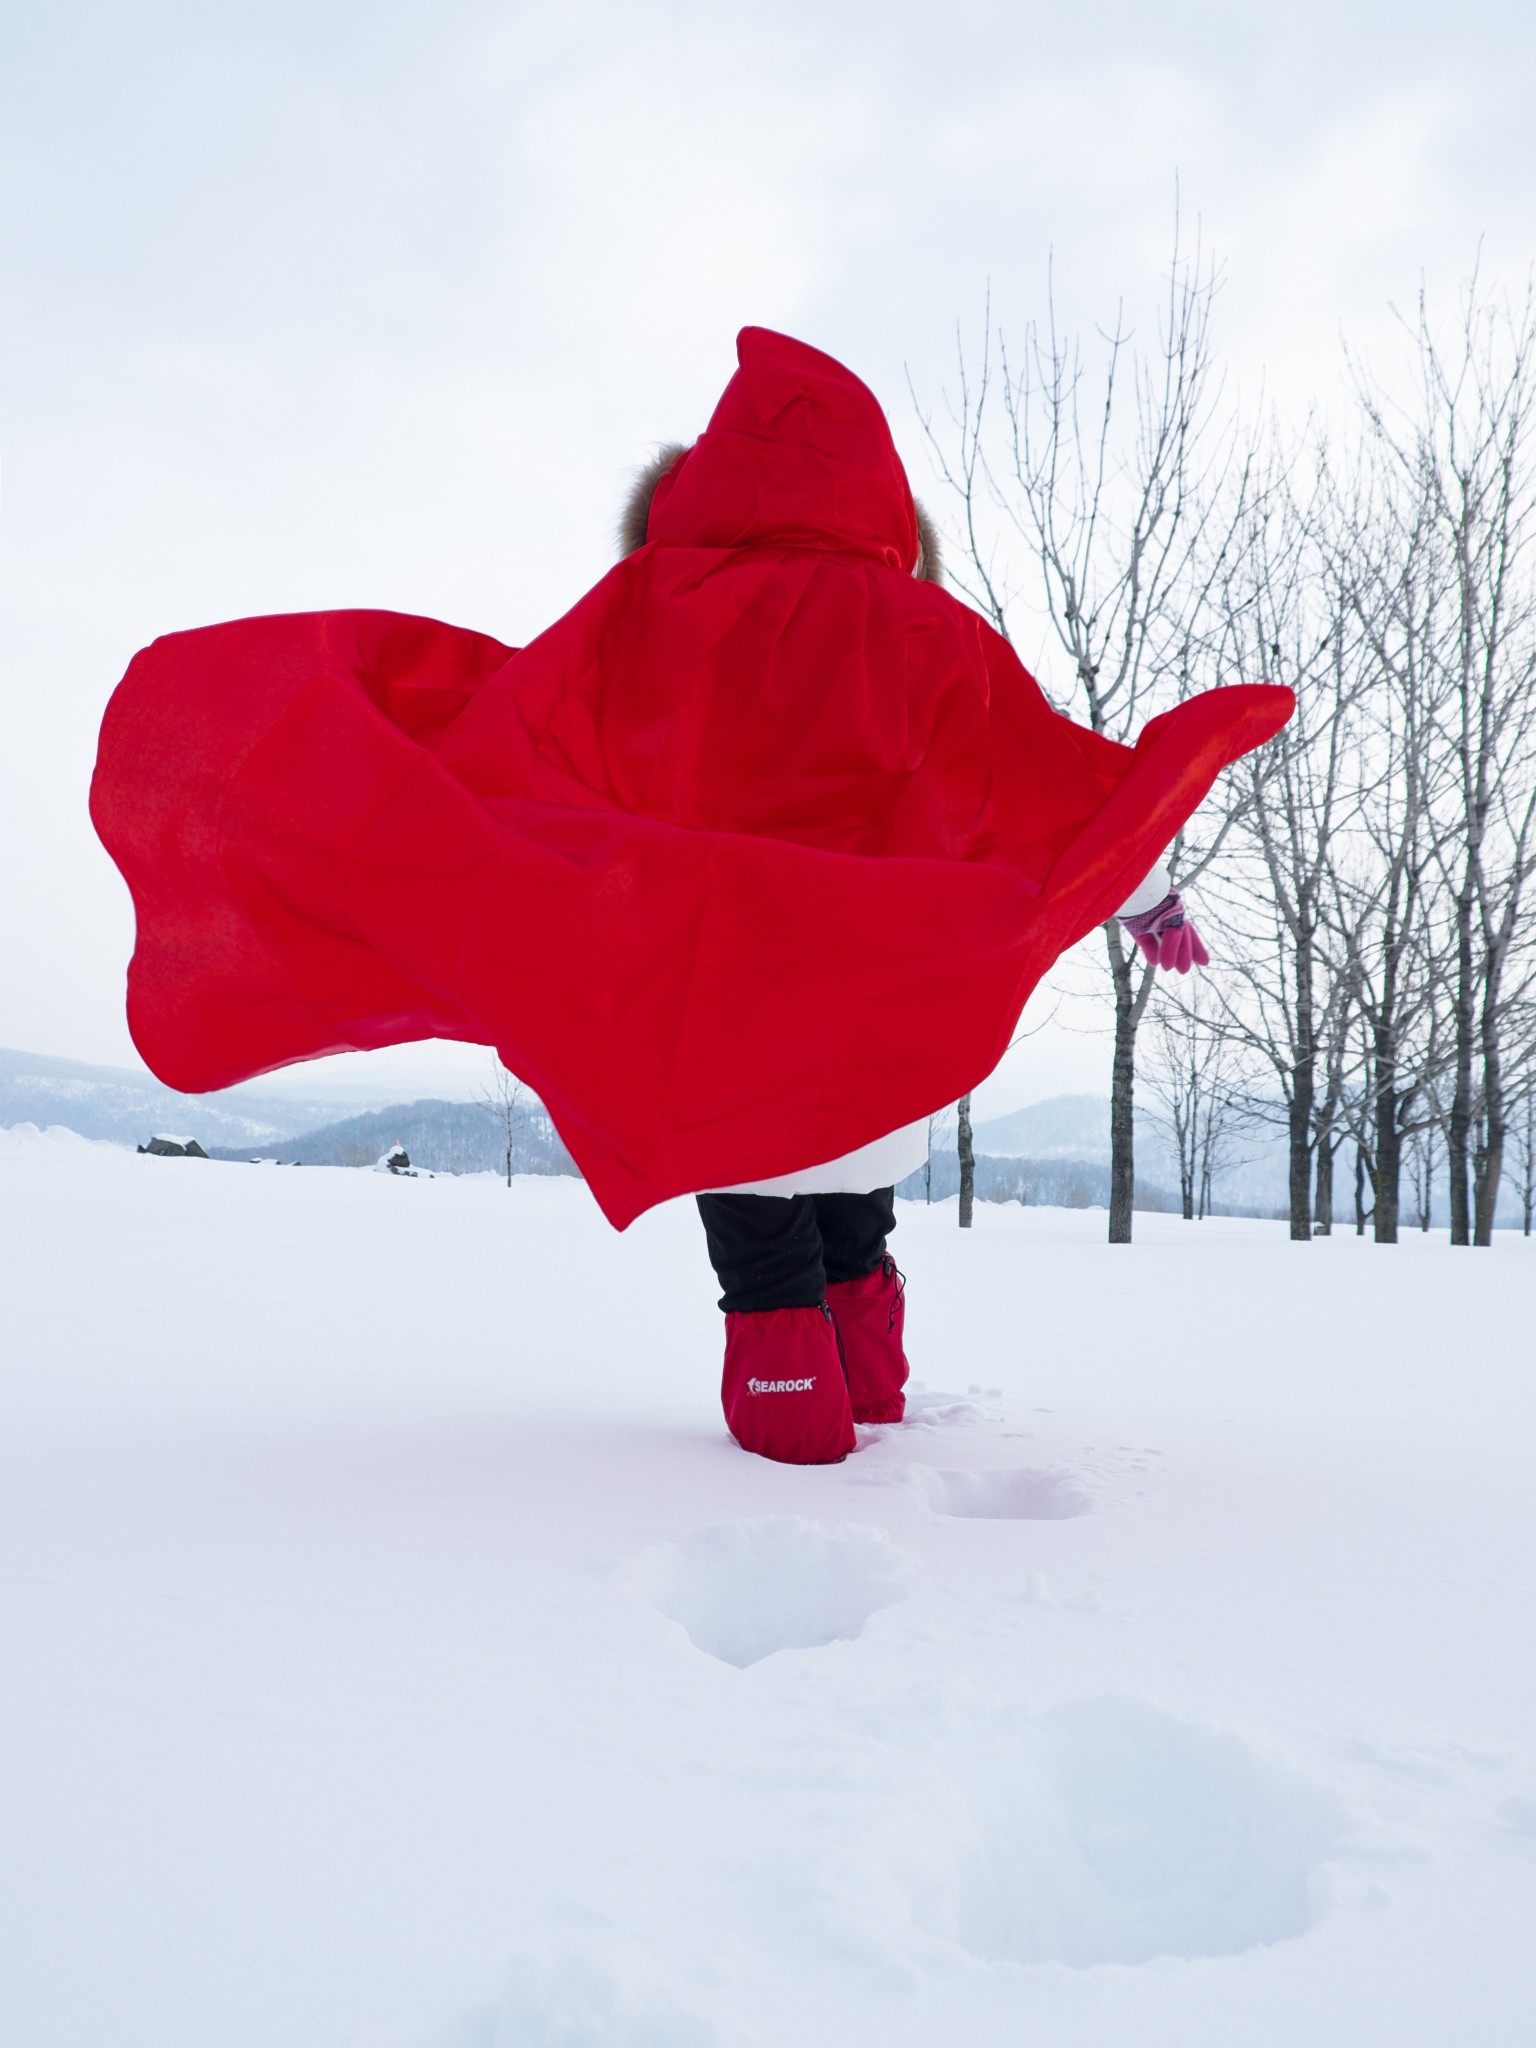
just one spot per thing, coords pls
(871, 1316)
(783, 1391)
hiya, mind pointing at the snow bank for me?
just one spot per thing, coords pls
(27, 1138)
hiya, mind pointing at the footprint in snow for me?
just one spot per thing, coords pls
(1024, 1494)
(746, 1589)
(1106, 1832)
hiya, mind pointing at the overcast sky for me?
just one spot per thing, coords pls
(315, 305)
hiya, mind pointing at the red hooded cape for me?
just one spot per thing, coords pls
(750, 858)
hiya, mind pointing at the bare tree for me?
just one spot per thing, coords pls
(1175, 1077)
(1283, 987)
(1467, 448)
(504, 1096)
(1199, 1094)
(1525, 1159)
(1380, 902)
(1421, 1171)
(1221, 1123)
(936, 1127)
(1107, 493)
(1331, 1109)
(1377, 858)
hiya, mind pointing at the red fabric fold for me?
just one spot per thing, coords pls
(752, 856)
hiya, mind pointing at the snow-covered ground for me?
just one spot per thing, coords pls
(394, 1649)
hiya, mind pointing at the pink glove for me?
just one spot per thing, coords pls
(1165, 934)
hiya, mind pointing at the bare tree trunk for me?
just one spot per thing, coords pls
(1525, 1153)
(1122, 1092)
(967, 1159)
(1325, 1150)
(1303, 1096)
(1490, 1172)
(1389, 1137)
(1458, 1135)
(1490, 1162)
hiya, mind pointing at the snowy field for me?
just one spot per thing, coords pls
(397, 1653)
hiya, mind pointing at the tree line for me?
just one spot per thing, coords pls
(1363, 881)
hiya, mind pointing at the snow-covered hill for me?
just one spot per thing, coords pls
(1076, 1127)
(331, 1121)
(126, 1107)
(444, 1137)
(1064, 1127)
(396, 1651)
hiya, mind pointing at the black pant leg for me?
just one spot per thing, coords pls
(853, 1231)
(765, 1249)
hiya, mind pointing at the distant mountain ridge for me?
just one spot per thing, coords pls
(1064, 1127)
(443, 1137)
(1054, 1151)
(1075, 1128)
(117, 1104)
(125, 1108)
(1066, 1183)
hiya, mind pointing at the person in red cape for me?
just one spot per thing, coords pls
(745, 865)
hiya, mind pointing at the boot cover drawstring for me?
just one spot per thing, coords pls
(889, 1266)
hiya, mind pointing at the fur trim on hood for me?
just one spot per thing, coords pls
(636, 516)
(930, 565)
(634, 520)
